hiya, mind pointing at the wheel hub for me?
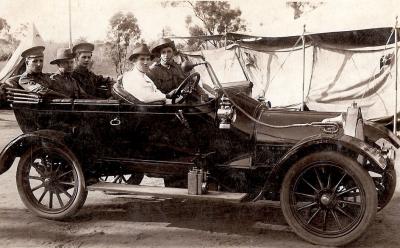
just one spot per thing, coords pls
(326, 199)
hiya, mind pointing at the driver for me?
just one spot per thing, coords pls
(166, 74)
(136, 82)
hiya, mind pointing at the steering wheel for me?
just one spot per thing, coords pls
(186, 87)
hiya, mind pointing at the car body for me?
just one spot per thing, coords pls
(331, 173)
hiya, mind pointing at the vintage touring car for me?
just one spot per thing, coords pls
(331, 172)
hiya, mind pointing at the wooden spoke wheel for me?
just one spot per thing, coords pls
(328, 199)
(50, 182)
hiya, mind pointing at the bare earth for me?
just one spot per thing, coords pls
(127, 221)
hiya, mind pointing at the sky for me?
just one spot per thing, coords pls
(90, 17)
(263, 17)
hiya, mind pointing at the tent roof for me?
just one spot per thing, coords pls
(339, 22)
(364, 37)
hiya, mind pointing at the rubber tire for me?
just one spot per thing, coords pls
(351, 167)
(389, 192)
(80, 196)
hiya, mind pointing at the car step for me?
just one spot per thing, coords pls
(165, 192)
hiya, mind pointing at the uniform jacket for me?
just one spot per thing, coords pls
(38, 83)
(94, 85)
(67, 85)
(166, 79)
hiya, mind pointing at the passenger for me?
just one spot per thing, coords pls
(166, 74)
(136, 82)
(62, 81)
(33, 80)
(94, 85)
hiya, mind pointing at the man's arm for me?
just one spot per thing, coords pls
(103, 85)
(30, 85)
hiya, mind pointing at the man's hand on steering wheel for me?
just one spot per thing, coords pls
(185, 89)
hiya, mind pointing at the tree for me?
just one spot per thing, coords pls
(300, 8)
(5, 31)
(213, 17)
(123, 31)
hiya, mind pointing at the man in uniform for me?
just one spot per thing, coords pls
(166, 74)
(33, 80)
(62, 80)
(95, 85)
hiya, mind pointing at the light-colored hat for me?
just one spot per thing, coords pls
(140, 50)
(62, 54)
(33, 52)
(163, 43)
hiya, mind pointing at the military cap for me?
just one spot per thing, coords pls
(33, 52)
(82, 47)
(163, 43)
(140, 50)
(62, 54)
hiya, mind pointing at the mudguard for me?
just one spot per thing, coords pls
(375, 131)
(19, 145)
(319, 143)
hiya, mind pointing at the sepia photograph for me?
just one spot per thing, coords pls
(150, 123)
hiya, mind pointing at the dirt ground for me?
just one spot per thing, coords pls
(126, 221)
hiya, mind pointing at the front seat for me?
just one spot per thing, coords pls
(119, 93)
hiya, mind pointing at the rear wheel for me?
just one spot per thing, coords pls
(328, 199)
(50, 182)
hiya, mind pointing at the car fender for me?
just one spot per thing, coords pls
(20, 144)
(375, 131)
(343, 143)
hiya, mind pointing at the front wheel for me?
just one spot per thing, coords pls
(328, 199)
(50, 182)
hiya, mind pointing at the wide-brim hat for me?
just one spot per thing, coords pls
(82, 47)
(140, 50)
(62, 54)
(33, 52)
(163, 43)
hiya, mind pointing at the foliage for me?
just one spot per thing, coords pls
(211, 18)
(7, 41)
(123, 31)
(300, 7)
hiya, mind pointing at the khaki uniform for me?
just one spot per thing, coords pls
(38, 83)
(166, 79)
(67, 85)
(94, 85)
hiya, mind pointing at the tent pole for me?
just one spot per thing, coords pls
(303, 38)
(70, 30)
(395, 80)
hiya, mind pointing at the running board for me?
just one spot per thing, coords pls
(165, 192)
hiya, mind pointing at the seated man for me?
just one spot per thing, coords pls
(33, 80)
(136, 82)
(94, 85)
(166, 74)
(62, 81)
